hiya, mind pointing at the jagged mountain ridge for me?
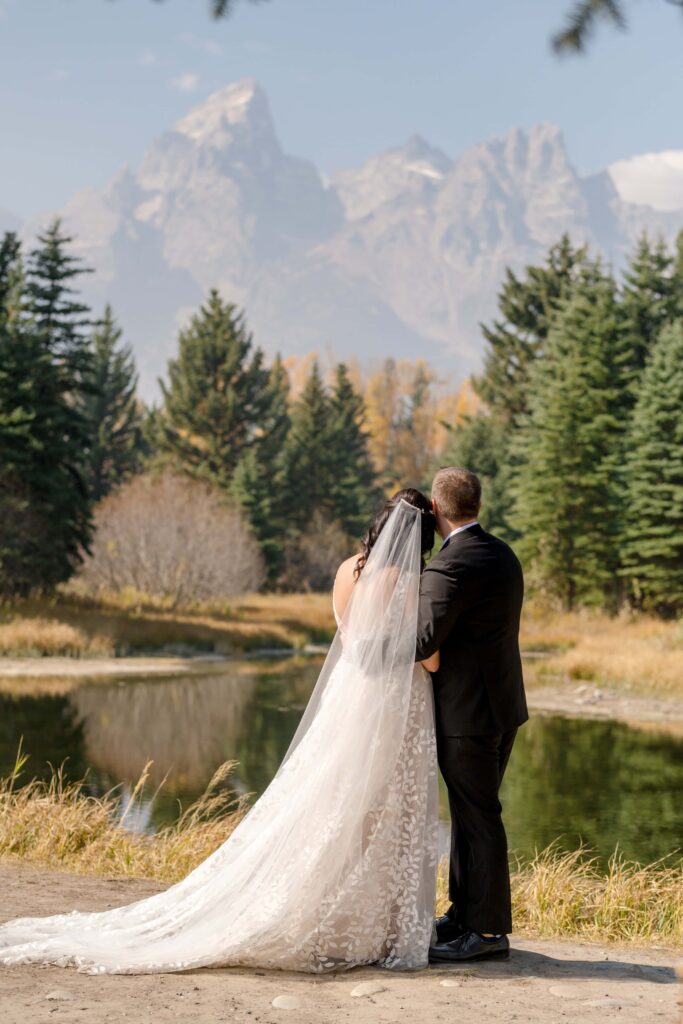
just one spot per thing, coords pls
(402, 256)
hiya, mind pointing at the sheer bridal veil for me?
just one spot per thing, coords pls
(335, 865)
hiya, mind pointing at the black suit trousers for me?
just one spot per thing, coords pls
(479, 880)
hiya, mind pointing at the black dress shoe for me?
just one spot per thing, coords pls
(448, 928)
(470, 946)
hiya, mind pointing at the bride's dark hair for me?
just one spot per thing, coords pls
(428, 524)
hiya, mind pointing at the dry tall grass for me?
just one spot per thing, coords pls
(636, 652)
(77, 625)
(562, 895)
(56, 824)
(40, 637)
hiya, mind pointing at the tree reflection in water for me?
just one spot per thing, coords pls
(597, 782)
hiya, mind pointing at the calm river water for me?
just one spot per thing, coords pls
(569, 779)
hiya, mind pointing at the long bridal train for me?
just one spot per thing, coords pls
(335, 865)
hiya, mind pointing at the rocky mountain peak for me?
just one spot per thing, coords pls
(242, 104)
(408, 172)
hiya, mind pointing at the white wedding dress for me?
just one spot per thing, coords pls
(335, 865)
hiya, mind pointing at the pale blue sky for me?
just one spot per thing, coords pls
(85, 85)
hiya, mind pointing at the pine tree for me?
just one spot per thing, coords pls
(677, 275)
(59, 316)
(10, 275)
(566, 488)
(354, 486)
(259, 479)
(653, 537)
(648, 303)
(112, 408)
(44, 509)
(45, 362)
(15, 421)
(527, 306)
(308, 456)
(217, 396)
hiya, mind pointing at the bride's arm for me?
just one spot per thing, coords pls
(432, 663)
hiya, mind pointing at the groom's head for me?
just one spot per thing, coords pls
(456, 498)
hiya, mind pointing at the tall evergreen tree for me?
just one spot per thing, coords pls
(15, 421)
(355, 491)
(217, 397)
(111, 407)
(527, 307)
(677, 274)
(308, 454)
(567, 488)
(648, 301)
(259, 479)
(60, 317)
(653, 540)
(44, 507)
(10, 275)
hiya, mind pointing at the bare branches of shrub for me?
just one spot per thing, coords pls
(173, 537)
(312, 559)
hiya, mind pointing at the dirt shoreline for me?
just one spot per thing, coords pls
(578, 700)
(544, 982)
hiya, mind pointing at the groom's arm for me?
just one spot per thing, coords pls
(441, 601)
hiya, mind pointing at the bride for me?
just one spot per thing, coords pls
(335, 865)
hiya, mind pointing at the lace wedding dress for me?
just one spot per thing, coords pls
(335, 865)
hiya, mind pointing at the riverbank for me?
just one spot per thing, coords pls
(635, 653)
(544, 981)
(73, 626)
(581, 665)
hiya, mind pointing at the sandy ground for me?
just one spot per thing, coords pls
(589, 701)
(549, 982)
(80, 668)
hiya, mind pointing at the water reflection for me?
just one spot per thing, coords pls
(597, 782)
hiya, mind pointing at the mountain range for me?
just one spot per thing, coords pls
(402, 256)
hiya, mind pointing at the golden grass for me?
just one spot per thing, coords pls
(627, 651)
(131, 623)
(56, 824)
(565, 895)
(40, 637)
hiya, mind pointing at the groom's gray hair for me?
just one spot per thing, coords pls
(457, 492)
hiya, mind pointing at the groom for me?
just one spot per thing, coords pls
(470, 604)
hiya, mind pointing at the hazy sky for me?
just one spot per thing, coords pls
(85, 85)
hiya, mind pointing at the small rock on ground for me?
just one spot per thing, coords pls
(287, 1003)
(367, 988)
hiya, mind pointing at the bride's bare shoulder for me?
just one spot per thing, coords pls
(347, 566)
(343, 583)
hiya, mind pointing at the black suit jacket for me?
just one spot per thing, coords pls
(470, 604)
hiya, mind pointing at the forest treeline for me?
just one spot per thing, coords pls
(574, 424)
